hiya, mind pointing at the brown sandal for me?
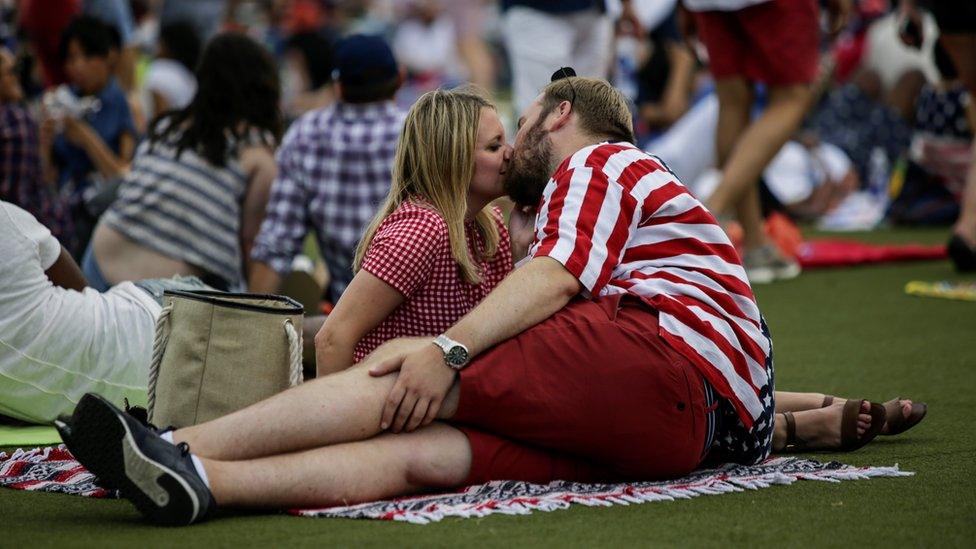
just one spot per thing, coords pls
(849, 441)
(897, 422)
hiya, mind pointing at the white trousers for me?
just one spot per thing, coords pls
(539, 43)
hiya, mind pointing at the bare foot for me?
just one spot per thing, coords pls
(820, 429)
(906, 410)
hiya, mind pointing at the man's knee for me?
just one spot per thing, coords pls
(438, 457)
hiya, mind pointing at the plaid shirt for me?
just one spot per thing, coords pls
(21, 180)
(334, 169)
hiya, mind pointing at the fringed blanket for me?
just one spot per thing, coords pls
(55, 470)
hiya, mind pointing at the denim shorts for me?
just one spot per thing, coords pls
(156, 286)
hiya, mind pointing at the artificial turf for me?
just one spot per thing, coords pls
(847, 331)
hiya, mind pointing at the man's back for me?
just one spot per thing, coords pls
(623, 223)
(334, 171)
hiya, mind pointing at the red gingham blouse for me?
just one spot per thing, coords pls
(411, 251)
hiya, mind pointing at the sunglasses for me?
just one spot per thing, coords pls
(565, 72)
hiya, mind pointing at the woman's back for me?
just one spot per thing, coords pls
(179, 206)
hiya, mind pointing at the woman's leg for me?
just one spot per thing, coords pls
(819, 428)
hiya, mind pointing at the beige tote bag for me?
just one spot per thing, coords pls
(215, 353)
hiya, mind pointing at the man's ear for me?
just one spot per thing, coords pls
(561, 115)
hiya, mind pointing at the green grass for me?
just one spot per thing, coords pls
(844, 331)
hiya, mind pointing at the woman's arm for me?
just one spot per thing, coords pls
(107, 163)
(259, 165)
(365, 303)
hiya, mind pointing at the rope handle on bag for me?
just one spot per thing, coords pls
(294, 353)
(159, 347)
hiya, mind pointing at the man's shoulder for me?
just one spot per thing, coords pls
(614, 161)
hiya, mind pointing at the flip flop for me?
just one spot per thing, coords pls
(849, 440)
(897, 422)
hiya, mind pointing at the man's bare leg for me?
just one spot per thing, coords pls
(437, 456)
(338, 408)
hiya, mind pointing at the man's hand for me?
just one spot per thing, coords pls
(419, 391)
(76, 131)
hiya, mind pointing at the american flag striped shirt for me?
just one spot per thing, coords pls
(621, 222)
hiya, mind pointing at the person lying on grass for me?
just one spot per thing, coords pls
(576, 366)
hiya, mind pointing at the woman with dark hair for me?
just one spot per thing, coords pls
(170, 81)
(195, 196)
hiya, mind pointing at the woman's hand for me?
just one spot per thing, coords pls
(521, 229)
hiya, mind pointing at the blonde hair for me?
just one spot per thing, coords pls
(435, 161)
(601, 108)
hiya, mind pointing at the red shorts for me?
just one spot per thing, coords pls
(592, 393)
(774, 42)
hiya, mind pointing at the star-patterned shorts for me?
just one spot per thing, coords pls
(732, 441)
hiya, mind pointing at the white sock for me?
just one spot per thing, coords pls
(198, 465)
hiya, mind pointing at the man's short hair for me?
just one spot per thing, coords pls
(96, 38)
(601, 108)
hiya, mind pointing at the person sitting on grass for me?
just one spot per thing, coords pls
(627, 345)
(195, 197)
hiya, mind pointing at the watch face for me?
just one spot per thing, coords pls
(457, 356)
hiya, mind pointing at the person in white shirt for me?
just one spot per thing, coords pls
(170, 81)
(59, 339)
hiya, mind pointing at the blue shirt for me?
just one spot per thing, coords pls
(111, 121)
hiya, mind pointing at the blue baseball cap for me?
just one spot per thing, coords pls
(362, 59)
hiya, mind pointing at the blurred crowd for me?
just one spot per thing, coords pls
(86, 85)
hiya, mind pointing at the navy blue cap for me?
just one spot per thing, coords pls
(362, 59)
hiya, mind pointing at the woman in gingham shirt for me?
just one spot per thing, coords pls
(436, 247)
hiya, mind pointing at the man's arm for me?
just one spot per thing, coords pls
(65, 273)
(525, 298)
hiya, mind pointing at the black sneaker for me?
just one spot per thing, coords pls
(156, 476)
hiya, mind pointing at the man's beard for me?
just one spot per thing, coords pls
(529, 170)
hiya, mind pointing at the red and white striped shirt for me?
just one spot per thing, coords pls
(621, 222)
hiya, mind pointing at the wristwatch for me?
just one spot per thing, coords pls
(455, 354)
